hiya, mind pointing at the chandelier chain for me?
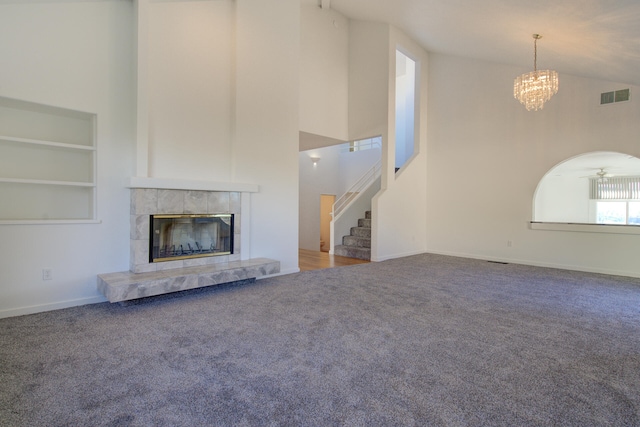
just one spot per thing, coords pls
(535, 54)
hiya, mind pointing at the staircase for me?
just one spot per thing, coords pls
(358, 243)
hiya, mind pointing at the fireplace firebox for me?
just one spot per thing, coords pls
(174, 237)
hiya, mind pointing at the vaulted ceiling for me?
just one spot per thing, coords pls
(590, 38)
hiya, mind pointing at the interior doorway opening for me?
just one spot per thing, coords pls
(326, 208)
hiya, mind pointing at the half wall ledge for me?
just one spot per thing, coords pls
(124, 286)
(585, 227)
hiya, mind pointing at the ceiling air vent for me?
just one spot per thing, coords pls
(615, 96)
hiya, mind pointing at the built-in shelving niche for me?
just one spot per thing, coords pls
(47, 163)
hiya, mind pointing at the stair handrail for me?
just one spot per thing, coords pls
(363, 144)
(361, 184)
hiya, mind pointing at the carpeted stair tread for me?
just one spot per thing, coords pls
(353, 252)
(361, 231)
(360, 242)
(363, 222)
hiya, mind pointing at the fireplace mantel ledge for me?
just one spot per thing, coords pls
(185, 184)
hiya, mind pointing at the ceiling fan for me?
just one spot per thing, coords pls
(601, 175)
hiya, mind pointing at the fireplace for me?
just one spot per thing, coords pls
(196, 208)
(185, 236)
(210, 221)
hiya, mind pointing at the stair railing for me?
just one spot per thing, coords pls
(352, 193)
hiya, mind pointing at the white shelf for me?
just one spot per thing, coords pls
(47, 182)
(48, 221)
(47, 143)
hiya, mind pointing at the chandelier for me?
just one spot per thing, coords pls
(537, 87)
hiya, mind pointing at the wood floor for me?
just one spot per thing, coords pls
(316, 260)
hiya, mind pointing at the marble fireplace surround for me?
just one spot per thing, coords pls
(169, 196)
(152, 201)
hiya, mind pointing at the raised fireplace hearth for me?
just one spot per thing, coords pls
(125, 285)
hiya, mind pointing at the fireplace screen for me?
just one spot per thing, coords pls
(176, 237)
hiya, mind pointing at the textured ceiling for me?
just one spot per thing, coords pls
(590, 38)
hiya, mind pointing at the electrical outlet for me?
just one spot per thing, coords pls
(47, 274)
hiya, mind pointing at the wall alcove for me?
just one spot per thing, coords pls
(47, 163)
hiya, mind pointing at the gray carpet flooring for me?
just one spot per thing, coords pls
(425, 340)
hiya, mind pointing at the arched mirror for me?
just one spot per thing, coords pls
(594, 188)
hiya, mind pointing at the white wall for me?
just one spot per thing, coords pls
(368, 79)
(324, 78)
(190, 89)
(265, 148)
(562, 199)
(398, 227)
(74, 55)
(354, 164)
(487, 155)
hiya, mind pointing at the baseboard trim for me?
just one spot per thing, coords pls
(400, 255)
(22, 311)
(539, 264)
